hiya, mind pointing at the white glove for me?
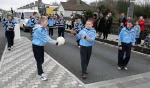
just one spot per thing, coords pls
(61, 41)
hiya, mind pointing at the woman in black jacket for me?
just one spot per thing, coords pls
(101, 26)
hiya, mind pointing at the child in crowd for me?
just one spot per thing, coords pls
(51, 25)
(9, 26)
(87, 37)
(60, 24)
(30, 24)
(137, 33)
(78, 26)
(68, 24)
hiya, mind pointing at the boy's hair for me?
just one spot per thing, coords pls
(42, 19)
(90, 20)
(130, 22)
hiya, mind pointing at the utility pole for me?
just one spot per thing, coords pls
(96, 3)
(41, 7)
(130, 8)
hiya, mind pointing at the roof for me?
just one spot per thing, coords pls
(26, 10)
(74, 5)
(33, 4)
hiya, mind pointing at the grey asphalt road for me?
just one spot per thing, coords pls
(103, 63)
(2, 40)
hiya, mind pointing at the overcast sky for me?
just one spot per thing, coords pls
(7, 4)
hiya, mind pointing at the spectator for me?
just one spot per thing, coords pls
(0, 19)
(69, 24)
(123, 19)
(147, 41)
(137, 33)
(141, 23)
(22, 15)
(121, 26)
(129, 19)
(100, 25)
(83, 19)
(108, 25)
(95, 21)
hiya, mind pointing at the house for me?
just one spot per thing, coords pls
(27, 10)
(72, 7)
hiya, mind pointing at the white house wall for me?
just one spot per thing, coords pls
(60, 10)
(67, 13)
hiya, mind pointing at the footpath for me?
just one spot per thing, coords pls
(18, 70)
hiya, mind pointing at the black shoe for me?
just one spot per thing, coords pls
(86, 73)
(9, 48)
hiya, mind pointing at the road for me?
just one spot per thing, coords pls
(103, 64)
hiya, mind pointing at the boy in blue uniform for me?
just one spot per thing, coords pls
(9, 26)
(60, 23)
(31, 22)
(78, 26)
(87, 37)
(39, 40)
(126, 41)
(51, 25)
(137, 33)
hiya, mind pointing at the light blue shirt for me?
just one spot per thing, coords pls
(41, 37)
(51, 22)
(127, 36)
(9, 24)
(78, 26)
(30, 23)
(60, 23)
(90, 35)
(137, 31)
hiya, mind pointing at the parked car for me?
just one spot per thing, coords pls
(23, 25)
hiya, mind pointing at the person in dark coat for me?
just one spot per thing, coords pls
(22, 15)
(123, 19)
(100, 25)
(95, 21)
(108, 25)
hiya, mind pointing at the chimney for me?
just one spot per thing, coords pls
(78, 1)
